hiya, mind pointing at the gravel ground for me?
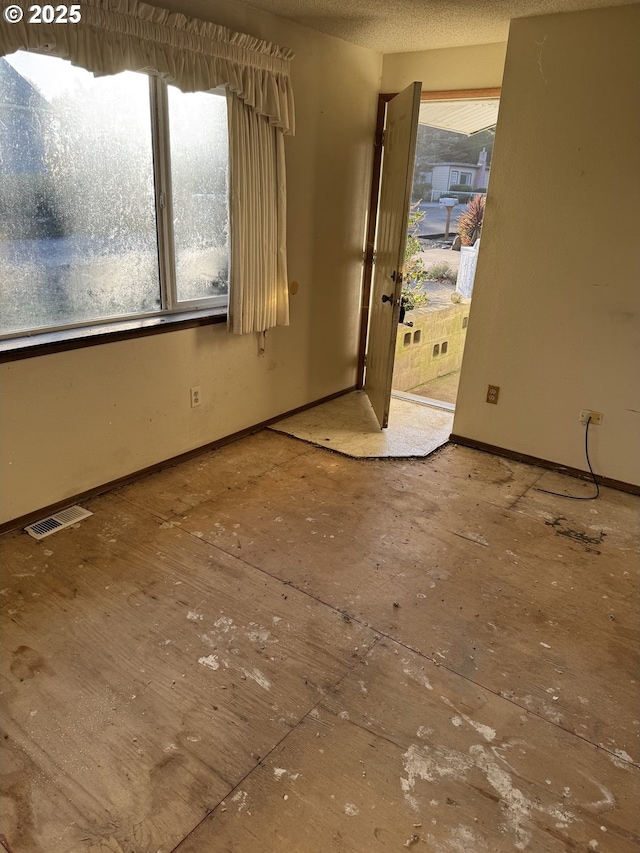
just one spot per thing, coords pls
(435, 244)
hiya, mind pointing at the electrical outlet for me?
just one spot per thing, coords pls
(493, 392)
(196, 398)
(596, 417)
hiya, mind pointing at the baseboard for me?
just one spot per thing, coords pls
(544, 463)
(30, 517)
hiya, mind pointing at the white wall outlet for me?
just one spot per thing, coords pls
(196, 397)
(596, 417)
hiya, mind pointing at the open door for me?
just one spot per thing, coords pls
(399, 149)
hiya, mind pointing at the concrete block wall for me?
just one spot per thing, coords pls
(416, 360)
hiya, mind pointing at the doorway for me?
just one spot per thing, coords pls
(398, 294)
(454, 150)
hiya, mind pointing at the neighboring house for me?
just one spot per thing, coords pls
(444, 176)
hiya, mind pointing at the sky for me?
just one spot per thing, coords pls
(49, 75)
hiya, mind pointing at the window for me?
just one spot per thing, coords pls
(465, 179)
(454, 177)
(199, 157)
(113, 196)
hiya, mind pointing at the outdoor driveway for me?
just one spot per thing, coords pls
(435, 218)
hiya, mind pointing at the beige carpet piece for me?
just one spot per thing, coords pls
(348, 425)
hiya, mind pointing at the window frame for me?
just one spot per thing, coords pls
(173, 313)
(44, 343)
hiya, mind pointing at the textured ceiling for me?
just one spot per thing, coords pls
(396, 26)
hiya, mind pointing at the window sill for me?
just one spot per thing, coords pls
(43, 343)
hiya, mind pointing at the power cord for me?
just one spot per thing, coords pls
(593, 476)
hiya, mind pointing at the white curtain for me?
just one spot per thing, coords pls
(259, 294)
(118, 35)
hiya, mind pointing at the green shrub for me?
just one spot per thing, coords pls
(442, 272)
(413, 297)
(422, 191)
(414, 272)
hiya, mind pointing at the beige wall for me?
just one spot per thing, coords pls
(475, 67)
(73, 421)
(554, 318)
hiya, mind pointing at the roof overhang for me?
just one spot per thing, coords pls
(460, 116)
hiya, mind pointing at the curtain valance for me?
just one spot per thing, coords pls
(115, 35)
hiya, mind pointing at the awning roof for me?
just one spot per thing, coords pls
(460, 116)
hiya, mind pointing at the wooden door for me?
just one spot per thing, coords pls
(396, 182)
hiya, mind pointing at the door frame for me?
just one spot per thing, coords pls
(367, 272)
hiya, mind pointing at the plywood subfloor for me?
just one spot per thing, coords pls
(276, 648)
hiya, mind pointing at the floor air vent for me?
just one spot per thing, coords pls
(64, 518)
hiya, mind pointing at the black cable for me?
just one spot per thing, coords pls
(593, 476)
